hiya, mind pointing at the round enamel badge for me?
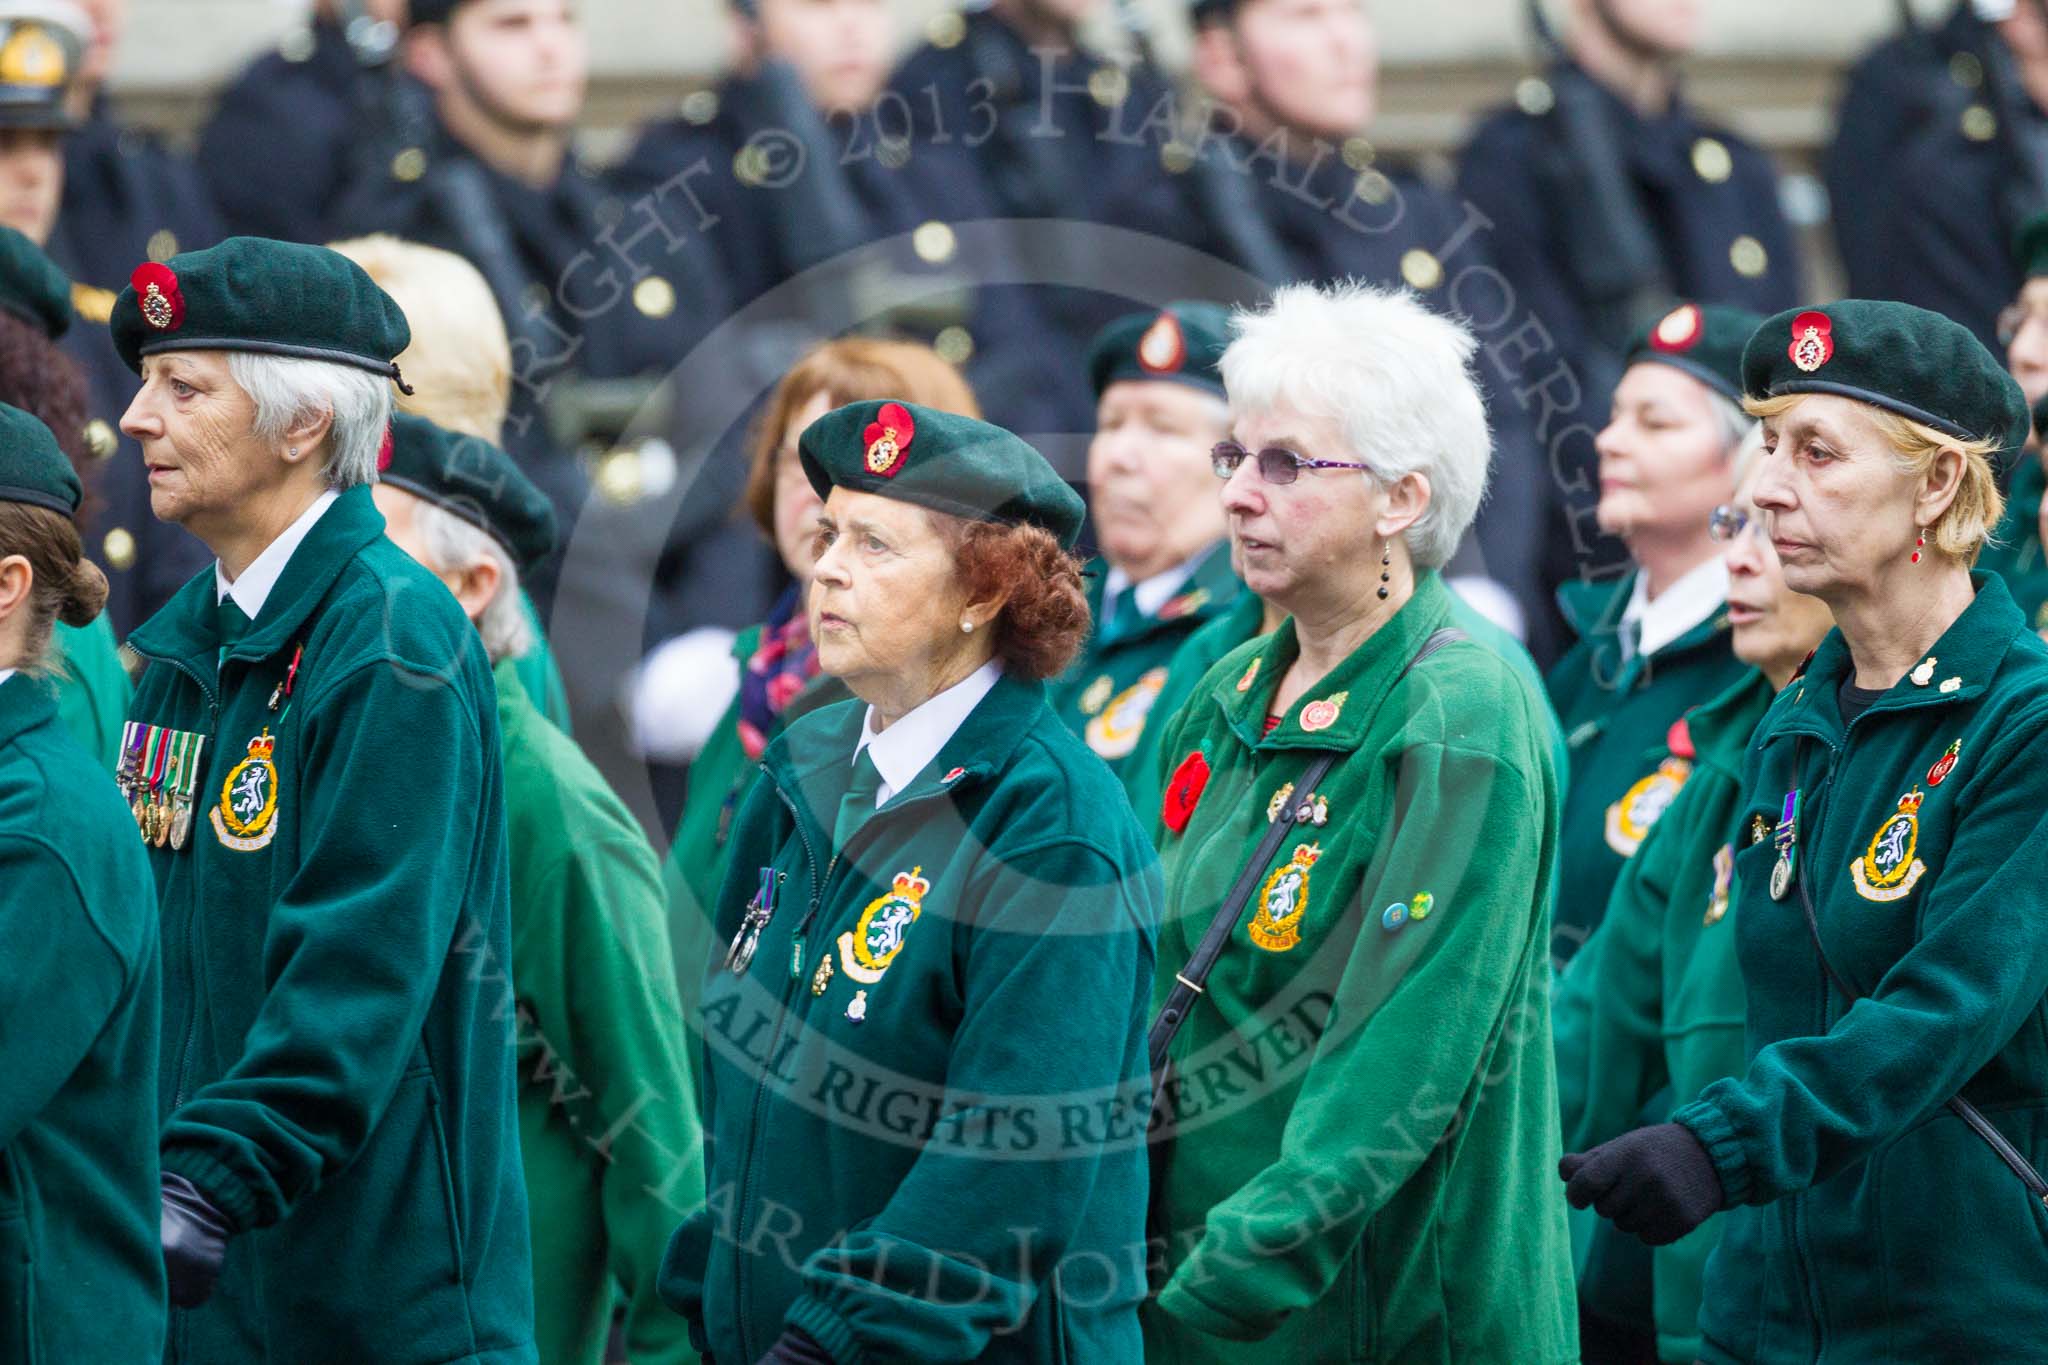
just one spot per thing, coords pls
(1163, 350)
(246, 817)
(1678, 331)
(1322, 714)
(1813, 342)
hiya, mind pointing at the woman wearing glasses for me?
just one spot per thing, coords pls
(2015, 552)
(1654, 643)
(1652, 1007)
(1880, 1149)
(1355, 1137)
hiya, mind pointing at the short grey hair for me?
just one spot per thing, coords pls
(455, 546)
(286, 389)
(1395, 378)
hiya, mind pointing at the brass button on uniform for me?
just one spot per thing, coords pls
(1979, 123)
(1108, 86)
(1748, 256)
(1534, 97)
(1359, 153)
(100, 439)
(700, 107)
(934, 243)
(954, 344)
(1421, 269)
(1710, 160)
(409, 165)
(655, 297)
(946, 30)
(119, 548)
(163, 244)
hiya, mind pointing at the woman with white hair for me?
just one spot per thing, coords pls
(1357, 1115)
(313, 763)
(1655, 642)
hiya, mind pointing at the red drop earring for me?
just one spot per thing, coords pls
(1917, 546)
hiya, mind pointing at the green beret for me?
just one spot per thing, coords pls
(1907, 360)
(938, 460)
(32, 287)
(474, 480)
(1704, 340)
(1182, 342)
(32, 469)
(2030, 246)
(41, 45)
(2041, 417)
(254, 294)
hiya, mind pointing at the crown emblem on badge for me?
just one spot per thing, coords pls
(1813, 343)
(156, 288)
(888, 437)
(32, 56)
(262, 746)
(1909, 804)
(1679, 330)
(1163, 350)
(909, 885)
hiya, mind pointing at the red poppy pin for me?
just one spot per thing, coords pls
(888, 438)
(1679, 330)
(384, 451)
(1678, 739)
(1944, 765)
(1184, 791)
(1813, 341)
(156, 294)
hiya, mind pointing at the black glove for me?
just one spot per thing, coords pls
(795, 1347)
(1657, 1183)
(195, 1238)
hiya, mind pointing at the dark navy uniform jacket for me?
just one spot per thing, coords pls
(1927, 194)
(126, 200)
(783, 216)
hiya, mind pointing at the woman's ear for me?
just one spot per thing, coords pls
(1407, 499)
(476, 585)
(1939, 485)
(306, 433)
(16, 579)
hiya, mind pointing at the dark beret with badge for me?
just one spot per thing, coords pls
(1907, 360)
(939, 460)
(32, 467)
(471, 479)
(1182, 343)
(269, 297)
(42, 43)
(32, 287)
(1706, 341)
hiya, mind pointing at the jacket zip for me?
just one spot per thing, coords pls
(749, 1350)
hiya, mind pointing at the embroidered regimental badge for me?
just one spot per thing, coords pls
(866, 951)
(1283, 900)
(1114, 733)
(246, 817)
(1630, 818)
(1888, 870)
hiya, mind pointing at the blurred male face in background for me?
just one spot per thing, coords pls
(1653, 28)
(1311, 66)
(840, 49)
(522, 64)
(31, 180)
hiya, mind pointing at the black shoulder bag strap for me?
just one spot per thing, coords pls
(1188, 981)
(1962, 1108)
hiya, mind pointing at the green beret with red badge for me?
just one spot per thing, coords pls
(263, 296)
(1703, 340)
(32, 467)
(473, 480)
(1181, 343)
(2030, 246)
(1907, 360)
(939, 460)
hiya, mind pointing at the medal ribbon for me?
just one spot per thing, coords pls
(1787, 834)
(157, 758)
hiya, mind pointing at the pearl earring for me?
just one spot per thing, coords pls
(292, 453)
(967, 627)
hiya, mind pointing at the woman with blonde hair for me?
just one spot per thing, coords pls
(1879, 1148)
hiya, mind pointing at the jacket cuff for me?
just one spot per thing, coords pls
(1184, 1305)
(827, 1328)
(1705, 1121)
(222, 1188)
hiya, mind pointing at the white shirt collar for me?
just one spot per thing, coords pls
(1153, 593)
(252, 589)
(906, 748)
(5, 674)
(1697, 595)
